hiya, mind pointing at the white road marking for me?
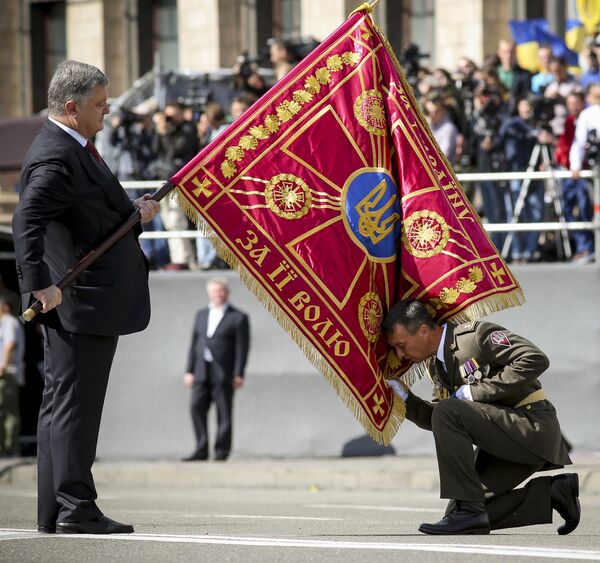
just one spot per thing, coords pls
(475, 549)
(261, 517)
(377, 507)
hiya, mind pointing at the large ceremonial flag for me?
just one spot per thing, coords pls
(332, 200)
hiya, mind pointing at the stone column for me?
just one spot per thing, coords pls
(319, 18)
(199, 34)
(85, 32)
(15, 90)
(470, 28)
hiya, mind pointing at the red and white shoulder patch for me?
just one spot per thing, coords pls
(499, 338)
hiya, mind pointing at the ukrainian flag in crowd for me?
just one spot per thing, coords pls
(332, 200)
(588, 12)
(575, 35)
(531, 34)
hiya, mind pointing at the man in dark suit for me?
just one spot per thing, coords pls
(215, 367)
(69, 203)
(494, 401)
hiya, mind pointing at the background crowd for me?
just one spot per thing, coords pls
(488, 118)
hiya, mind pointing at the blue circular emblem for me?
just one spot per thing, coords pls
(372, 212)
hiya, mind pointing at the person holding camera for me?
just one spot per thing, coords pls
(520, 135)
(586, 143)
(585, 149)
(577, 203)
(488, 113)
(175, 144)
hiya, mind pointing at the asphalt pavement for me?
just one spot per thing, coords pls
(289, 510)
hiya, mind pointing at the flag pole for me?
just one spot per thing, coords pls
(368, 6)
(95, 253)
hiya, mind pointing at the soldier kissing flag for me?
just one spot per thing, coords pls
(332, 200)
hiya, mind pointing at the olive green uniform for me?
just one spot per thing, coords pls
(512, 442)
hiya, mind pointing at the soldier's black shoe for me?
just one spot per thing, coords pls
(564, 494)
(43, 529)
(467, 518)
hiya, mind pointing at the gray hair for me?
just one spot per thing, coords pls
(73, 81)
(222, 281)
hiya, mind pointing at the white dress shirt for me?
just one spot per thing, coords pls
(77, 136)
(215, 316)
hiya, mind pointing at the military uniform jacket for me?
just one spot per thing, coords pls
(510, 366)
(68, 205)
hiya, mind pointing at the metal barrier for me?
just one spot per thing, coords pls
(470, 177)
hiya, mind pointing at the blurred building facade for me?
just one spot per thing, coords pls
(127, 37)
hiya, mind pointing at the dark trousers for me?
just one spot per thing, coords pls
(218, 390)
(76, 369)
(501, 464)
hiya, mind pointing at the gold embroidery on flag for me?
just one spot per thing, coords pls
(288, 196)
(370, 113)
(448, 296)
(425, 234)
(370, 316)
(288, 109)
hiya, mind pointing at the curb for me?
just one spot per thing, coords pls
(380, 473)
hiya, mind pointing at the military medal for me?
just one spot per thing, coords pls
(470, 372)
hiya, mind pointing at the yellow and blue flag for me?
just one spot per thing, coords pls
(531, 34)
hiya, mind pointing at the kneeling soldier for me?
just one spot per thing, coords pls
(495, 402)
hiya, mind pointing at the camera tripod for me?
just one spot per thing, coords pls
(552, 190)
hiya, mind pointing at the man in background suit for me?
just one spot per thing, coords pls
(488, 377)
(69, 203)
(215, 368)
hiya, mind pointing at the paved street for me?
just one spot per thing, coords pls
(191, 521)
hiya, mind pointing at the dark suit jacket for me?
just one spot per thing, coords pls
(229, 345)
(68, 205)
(511, 366)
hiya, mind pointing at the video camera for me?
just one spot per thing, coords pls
(592, 148)
(543, 112)
(247, 64)
(410, 62)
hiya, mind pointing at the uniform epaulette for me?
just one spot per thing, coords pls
(466, 327)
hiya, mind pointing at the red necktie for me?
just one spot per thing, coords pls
(94, 152)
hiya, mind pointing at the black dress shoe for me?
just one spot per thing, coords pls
(467, 518)
(195, 457)
(101, 525)
(564, 494)
(42, 529)
(221, 457)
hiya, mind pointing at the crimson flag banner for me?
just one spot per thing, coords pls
(332, 200)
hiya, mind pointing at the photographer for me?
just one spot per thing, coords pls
(488, 113)
(411, 65)
(175, 144)
(587, 134)
(576, 197)
(133, 134)
(562, 85)
(520, 135)
(246, 78)
(586, 144)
